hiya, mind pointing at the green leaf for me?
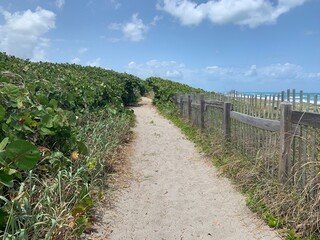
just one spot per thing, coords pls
(78, 210)
(81, 225)
(19, 103)
(82, 148)
(10, 90)
(12, 171)
(2, 112)
(30, 122)
(3, 219)
(91, 163)
(45, 131)
(2, 158)
(73, 120)
(6, 179)
(43, 99)
(47, 121)
(23, 154)
(4, 143)
(26, 68)
(53, 103)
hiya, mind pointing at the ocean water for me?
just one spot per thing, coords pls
(312, 96)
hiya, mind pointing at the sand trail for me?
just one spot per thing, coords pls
(175, 193)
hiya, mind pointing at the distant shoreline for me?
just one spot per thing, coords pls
(270, 94)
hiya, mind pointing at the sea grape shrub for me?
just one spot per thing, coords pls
(42, 106)
(164, 90)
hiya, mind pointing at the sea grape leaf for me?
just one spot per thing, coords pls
(11, 171)
(73, 121)
(45, 131)
(47, 121)
(43, 99)
(4, 143)
(6, 179)
(2, 112)
(3, 218)
(26, 68)
(24, 154)
(53, 103)
(30, 122)
(10, 90)
(82, 148)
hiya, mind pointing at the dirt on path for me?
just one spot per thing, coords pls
(175, 193)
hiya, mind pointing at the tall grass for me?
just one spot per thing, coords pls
(296, 215)
(57, 204)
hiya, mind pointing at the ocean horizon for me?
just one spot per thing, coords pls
(305, 95)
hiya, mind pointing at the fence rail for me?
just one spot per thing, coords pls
(266, 128)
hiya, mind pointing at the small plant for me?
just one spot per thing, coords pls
(291, 235)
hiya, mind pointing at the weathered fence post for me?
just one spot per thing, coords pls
(202, 109)
(285, 141)
(176, 98)
(227, 121)
(288, 95)
(189, 108)
(181, 105)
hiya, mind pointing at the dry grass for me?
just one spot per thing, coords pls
(119, 177)
(295, 214)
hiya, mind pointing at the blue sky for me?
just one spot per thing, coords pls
(218, 45)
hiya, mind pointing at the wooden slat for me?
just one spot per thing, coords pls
(293, 99)
(301, 100)
(285, 163)
(216, 104)
(294, 142)
(269, 107)
(278, 106)
(266, 124)
(272, 111)
(195, 104)
(314, 147)
(306, 118)
(265, 106)
(202, 111)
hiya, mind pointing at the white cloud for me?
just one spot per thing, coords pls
(187, 11)
(311, 32)
(281, 71)
(166, 69)
(76, 60)
(252, 72)
(39, 52)
(271, 77)
(250, 13)
(94, 63)
(218, 71)
(135, 29)
(155, 20)
(82, 50)
(22, 33)
(60, 3)
(115, 4)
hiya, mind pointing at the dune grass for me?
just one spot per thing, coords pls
(281, 207)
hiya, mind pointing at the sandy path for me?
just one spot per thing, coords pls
(176, 194)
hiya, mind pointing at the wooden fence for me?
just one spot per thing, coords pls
(268, 129)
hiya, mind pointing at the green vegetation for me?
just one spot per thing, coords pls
(165, 89)
(280, 206)
(60, 126)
